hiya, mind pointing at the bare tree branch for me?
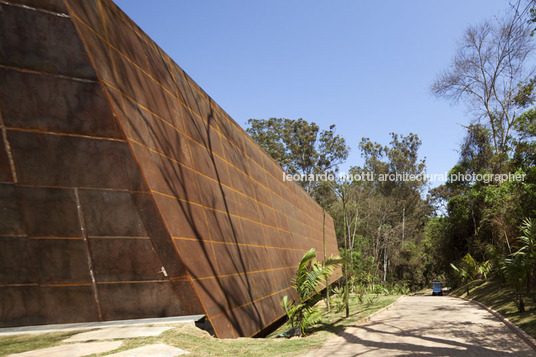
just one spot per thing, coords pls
(488, 70)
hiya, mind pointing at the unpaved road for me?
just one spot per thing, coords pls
(428, 326)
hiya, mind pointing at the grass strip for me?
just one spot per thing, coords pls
(200, 343)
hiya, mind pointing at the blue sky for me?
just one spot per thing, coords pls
(365, 66)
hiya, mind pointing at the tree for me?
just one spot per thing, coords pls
(515, 271)
(528, 248)
(519, 267)
(438, 247)
(381, 221)
(476, 151)
(479, 212)
(488, 71)
(501, 210)
(525, 144)
(400, 213)
(493, 72)
(346, 235)
(299, 147)
(308, 276)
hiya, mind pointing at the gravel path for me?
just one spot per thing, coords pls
(428, 325)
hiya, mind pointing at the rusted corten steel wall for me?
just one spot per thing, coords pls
(125, 191)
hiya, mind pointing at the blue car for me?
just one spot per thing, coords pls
(436, 289)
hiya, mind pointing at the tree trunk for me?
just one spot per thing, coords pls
(474, 220)
(346, 251)
(385, 259)
(324, 243)
(376, 247)
(403, 221)
(521, 306)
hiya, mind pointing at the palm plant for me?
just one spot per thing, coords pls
(484, 269)
(515, 271)
(308, 276)
(528, 248)
(518, 268)
(340, 298)
(466, 272)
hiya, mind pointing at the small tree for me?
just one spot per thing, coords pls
(515, 271)
(528, 248)
(466, 272)
(519, 267)
(308, 276)
(484, 269)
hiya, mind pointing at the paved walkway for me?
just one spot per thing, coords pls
(428, 325)
(98, 341)
(31, 330)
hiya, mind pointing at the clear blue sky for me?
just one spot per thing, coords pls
(365, 66)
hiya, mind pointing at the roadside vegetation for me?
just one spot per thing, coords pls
(485, 239)
(302, 314)
(480, 225)
(380, 222)
(487, 229)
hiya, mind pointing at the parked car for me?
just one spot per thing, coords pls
(437, 289)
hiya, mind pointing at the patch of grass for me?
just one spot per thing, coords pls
(200, 343)
(335, 321)
(22, 343)
(500, 298)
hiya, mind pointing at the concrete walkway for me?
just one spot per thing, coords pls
(32, 330)
(432, 326)
(113, 333)
(108, 339)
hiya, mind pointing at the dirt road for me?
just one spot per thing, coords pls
(432, 326)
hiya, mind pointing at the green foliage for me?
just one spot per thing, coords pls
(377, 216)
(482, 218)
(466, 272)
(340, 298)
(515, 270)
(476, 150)
(399, 288)
(437, 246)
(299, 147)
(301, 316)
(383, 219)
(484, 269)
(309, 275)
(519, 267)
(361, 268)
(469, 265)
(378, 289)
(528, 241)
(526, 124)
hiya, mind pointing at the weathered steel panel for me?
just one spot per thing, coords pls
(35, 101)
(42, 41)
(74, 204)
(127, 171)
